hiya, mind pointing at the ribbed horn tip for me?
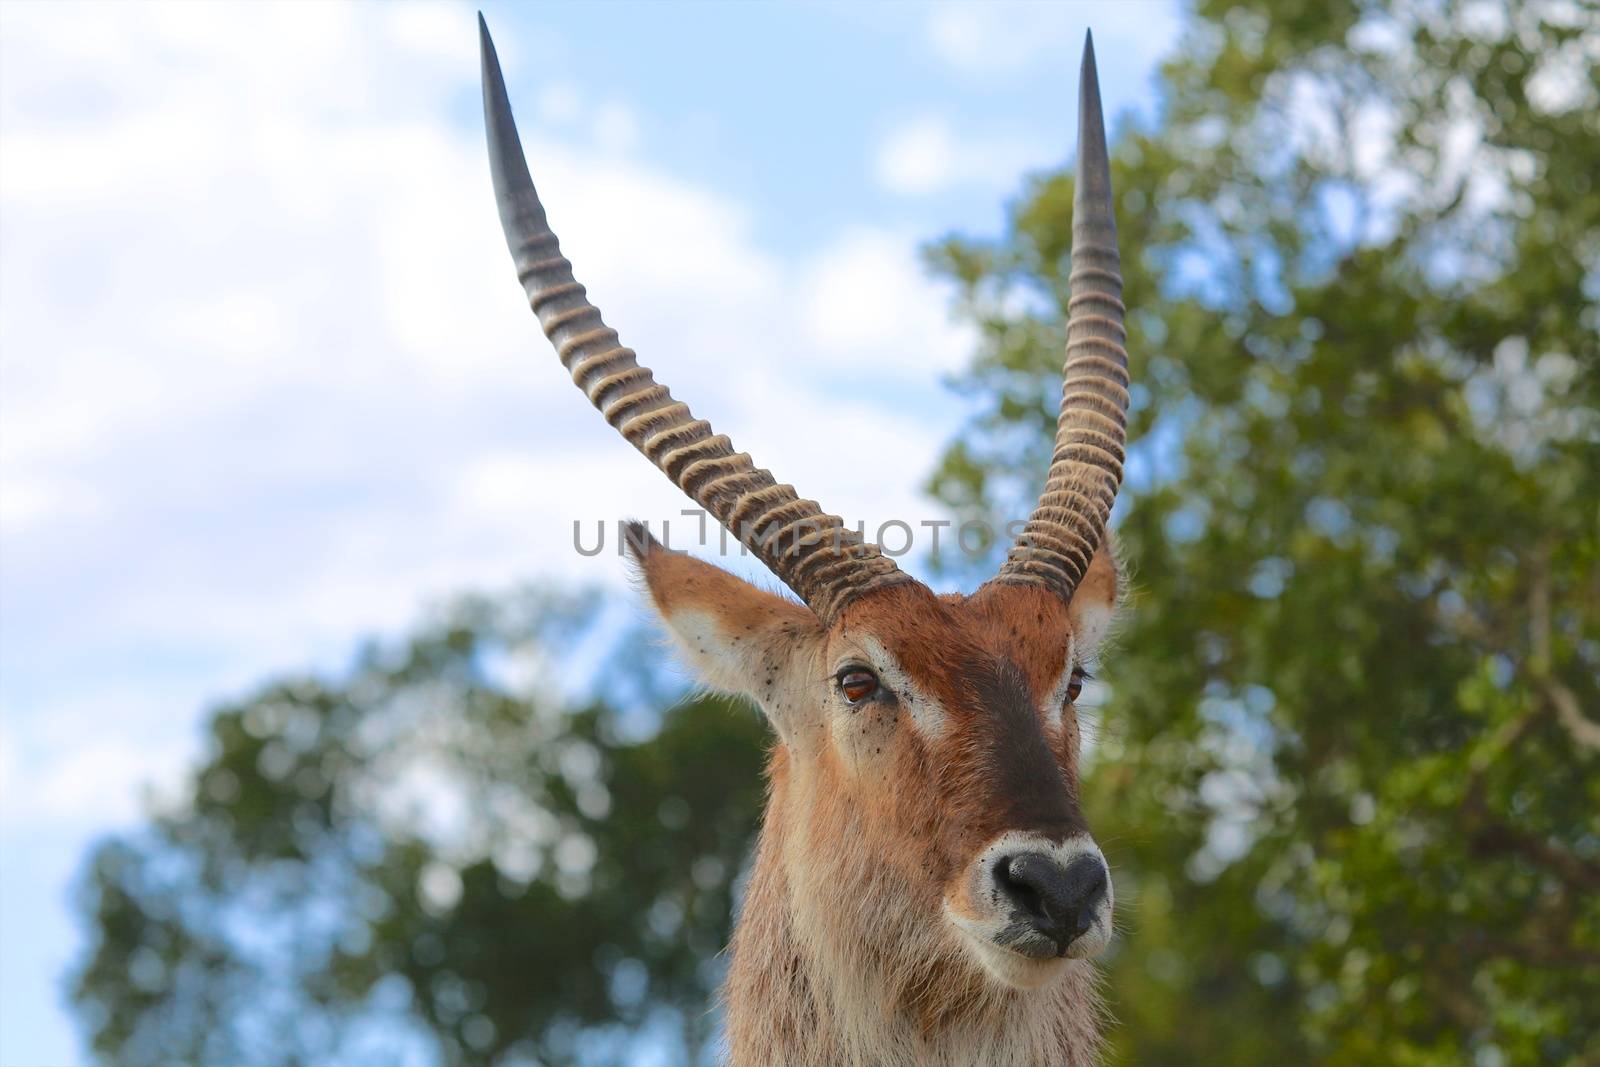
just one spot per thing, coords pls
(1068, 523)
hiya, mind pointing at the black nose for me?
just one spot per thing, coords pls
(1058, 901)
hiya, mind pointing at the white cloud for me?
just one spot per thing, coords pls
(867, 302)
(919, 157)
(8, 770)
(74, 770)
(927, 155)
(972, 41)
(1001, 40)
(559, 105)
(615, 128)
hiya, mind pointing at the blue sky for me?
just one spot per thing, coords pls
(267, 382)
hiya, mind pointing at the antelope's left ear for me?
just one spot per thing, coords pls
(738, 638)
(1093, 611)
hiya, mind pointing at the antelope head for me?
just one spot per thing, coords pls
(927, 770)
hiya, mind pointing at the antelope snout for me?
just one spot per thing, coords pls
(1052, 901)
(1028, 903)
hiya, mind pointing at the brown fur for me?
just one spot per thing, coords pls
(843, 953)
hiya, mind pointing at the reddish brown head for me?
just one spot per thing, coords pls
(929, 757)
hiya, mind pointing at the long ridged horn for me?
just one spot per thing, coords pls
(1069, 521)
(812, 552)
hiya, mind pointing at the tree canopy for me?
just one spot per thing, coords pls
(434, 859)
(1350, 761)
(1345, 756)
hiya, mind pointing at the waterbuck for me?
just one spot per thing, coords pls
(925, 889)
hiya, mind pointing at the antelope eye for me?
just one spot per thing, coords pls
(1075, 686)
(857, 684)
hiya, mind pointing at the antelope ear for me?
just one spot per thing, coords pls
(738, 639)
(1093, 611)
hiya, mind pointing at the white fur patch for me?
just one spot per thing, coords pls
(1055, 700)
(719, 663)
(927, 714)
(1091, 625)
(739, 664)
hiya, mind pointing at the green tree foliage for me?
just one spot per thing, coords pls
(424, 861)
(1349, 772)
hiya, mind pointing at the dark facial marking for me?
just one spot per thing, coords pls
(1031, 790)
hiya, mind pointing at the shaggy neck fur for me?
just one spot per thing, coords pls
(837, 960)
